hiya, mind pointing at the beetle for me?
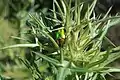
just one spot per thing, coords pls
(59, 35)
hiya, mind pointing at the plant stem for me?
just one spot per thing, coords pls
(61, 56)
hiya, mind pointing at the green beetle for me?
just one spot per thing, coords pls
(60, 37)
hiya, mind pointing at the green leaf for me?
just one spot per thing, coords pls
(95, 76)
(111, 70)
(109, 18)
(112, 57)
(81, 70)
(91, 8)
(62, 73)
(21, 45)
(51, 60)
(105, 56)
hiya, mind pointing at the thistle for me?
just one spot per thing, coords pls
(75, 51)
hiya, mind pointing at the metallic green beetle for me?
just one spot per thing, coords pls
(60, 37)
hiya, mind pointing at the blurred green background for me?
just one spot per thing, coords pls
(13, 16)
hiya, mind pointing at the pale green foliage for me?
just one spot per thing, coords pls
(84, 35)
(81, 57)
